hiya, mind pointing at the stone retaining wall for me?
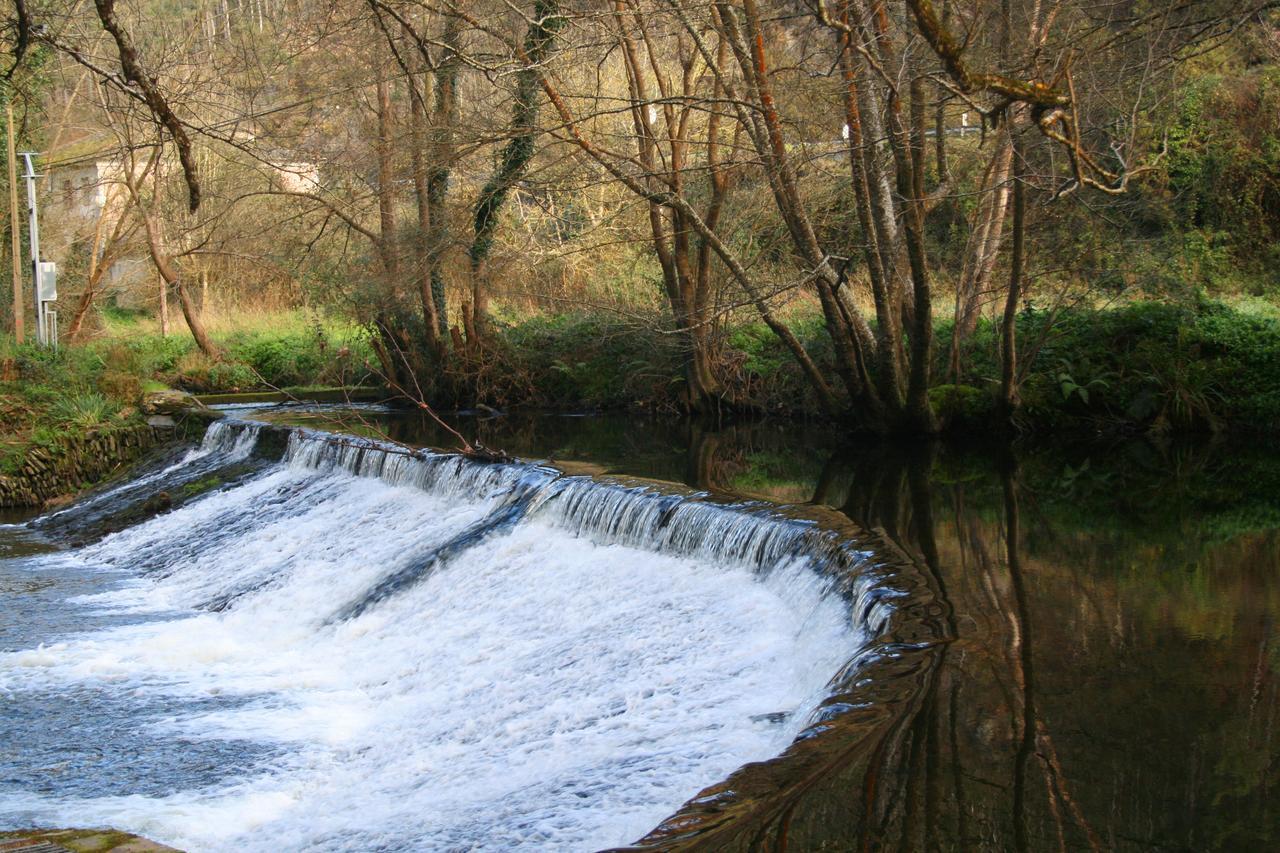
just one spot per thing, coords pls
(65, 467)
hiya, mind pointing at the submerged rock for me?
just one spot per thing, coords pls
(158, 503)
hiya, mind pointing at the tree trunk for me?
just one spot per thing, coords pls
(82, 307)
(849, 331)
(16, 249)
(539, 42)
(191, 314)
(984, 249)
(705, 390)
(1009, 325)
(164, 306)
(422, 195)
(442, 154)
(96, 265)
(686, 268)
(168, 272)
(918, 415)
(386, 187)
(677, 202)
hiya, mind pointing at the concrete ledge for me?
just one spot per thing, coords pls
(306, 395)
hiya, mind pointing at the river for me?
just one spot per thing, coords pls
(328, 643)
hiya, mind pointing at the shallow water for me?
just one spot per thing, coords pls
(1107, 678)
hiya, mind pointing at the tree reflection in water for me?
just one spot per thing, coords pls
(1110, 683)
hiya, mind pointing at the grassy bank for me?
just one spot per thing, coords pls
(1142, 367)
(46, 397)
(1157, 367)
(1197, 367)
(66, 422)
(280, 349)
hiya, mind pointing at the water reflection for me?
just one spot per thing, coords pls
(1111, 678)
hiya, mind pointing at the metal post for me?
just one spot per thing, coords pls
(41, 329)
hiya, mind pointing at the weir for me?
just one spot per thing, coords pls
(497, 654)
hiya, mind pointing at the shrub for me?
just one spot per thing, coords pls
(126, 387)
(191, 372)
(83, 411)
(962, 406)
(1182, 367)
(231, 376)
(591, 361)
(155, 354)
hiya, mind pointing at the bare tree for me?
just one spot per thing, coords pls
(675, 153)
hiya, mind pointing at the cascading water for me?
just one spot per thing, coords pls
(366, 648)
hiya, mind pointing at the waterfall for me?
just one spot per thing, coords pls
(223, 453)
(623, 511)
(236, 439)
(394, 649)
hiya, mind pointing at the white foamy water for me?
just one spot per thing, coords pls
(529, 684)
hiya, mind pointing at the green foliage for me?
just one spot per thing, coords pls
(592, 361)
(1077, 390)
(82, 411)
(1195, 366)
(147, 355)
(287, 351)
(232, 376)
(47, 394)
(763, 371)
(759, 346)
(962, 406)
(1224, 162)
(307, 357)
(276, 360)
(1154, 366)
(120, 386)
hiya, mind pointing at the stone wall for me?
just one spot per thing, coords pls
(66, 467)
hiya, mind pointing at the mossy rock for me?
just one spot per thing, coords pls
(82, 841)
(169, 402)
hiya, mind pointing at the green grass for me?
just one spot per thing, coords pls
(260, 350)
(50, 394)
(1197, 365)
(83, 411)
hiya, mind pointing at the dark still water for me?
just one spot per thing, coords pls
(1106, 675)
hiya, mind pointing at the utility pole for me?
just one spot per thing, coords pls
(13, 228)
(42, 291)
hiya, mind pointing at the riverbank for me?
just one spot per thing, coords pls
(1204, 366)
(75, 417)
(1143, 367)
(53, 472)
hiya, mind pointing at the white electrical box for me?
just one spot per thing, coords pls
(48, 281)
